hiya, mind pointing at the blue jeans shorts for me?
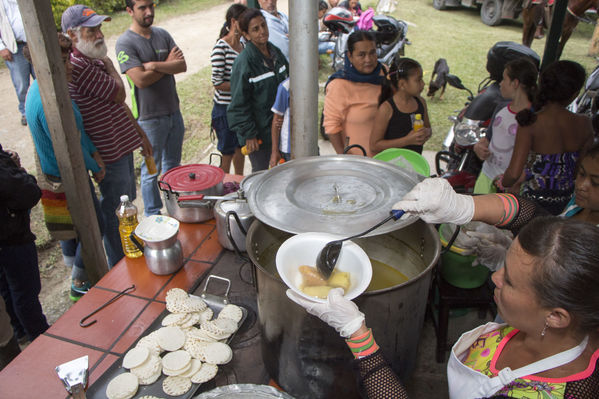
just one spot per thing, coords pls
(227, 139)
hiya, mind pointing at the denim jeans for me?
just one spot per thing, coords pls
(73, 247)
(20, 286)
(166, 135)
(324, 47)
(119, 180)
(20, 70)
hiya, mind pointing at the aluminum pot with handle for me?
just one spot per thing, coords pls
(162, 251)
(187, 190)
(233, 219)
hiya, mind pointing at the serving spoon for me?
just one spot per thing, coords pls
(329, 255)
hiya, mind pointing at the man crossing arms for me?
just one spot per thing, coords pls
(150, 58)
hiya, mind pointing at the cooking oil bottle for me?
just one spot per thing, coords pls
(127, 214)
(418, 122)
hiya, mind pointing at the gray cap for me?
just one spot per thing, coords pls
(80, 15)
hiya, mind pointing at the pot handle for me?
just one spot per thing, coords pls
(137, 243)
(229, 233)
(226, 280)
(220, 161)
(168, 191)
(349, 147)
(193, 201)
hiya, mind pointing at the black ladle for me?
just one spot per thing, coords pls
(328, 256)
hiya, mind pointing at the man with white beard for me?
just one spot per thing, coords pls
(97, 89)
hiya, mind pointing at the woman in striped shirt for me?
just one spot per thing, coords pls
(226, 49)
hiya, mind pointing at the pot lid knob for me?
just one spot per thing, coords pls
(192, 175)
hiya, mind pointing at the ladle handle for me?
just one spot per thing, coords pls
(395, 214)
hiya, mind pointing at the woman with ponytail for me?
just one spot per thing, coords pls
(399, 103)
(226, 49)
(550, 140)
(518, 85)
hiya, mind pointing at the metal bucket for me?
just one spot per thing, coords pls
(306, 357)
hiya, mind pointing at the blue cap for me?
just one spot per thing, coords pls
(80, 15)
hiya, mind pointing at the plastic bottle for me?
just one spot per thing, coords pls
(245, 151)
(418, 122)
(127, 214)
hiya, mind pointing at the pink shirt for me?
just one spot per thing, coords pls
(349, 109)
(106, 122)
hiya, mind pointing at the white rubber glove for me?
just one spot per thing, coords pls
(341, 314)
(435, 201)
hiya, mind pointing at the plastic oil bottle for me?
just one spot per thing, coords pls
(127, 214)
(418, 122)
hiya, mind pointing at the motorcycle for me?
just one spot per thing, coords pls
(390, 35)
(586, 102)
(457, 161)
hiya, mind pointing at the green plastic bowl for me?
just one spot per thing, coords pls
(457, 269)
(418, 162)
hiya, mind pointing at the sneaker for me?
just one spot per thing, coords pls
(23, 120)
(78, 291)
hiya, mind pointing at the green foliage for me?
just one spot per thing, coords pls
(99, 6)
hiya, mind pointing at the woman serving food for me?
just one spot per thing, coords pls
(546, 293)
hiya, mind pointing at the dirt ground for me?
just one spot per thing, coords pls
(186, 30)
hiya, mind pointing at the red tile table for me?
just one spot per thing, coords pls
(32, 375)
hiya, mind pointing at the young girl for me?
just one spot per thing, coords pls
(226, 49)
(399, 103)
(518, 85)
(550, 139)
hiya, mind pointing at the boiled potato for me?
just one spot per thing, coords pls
(311, 276)
(339, 279)
(318, 291)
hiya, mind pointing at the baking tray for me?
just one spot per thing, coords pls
(214, 302)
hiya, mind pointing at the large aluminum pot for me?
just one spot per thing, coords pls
(184, 188)
(305, 356)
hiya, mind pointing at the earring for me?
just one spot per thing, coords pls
(544, 329)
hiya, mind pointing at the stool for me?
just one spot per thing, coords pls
(451, 297)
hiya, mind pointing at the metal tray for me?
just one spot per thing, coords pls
(214, 302)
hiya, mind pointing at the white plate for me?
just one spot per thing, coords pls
(157, 228)
(303, 249)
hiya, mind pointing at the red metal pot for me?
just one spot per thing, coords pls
(185, 190)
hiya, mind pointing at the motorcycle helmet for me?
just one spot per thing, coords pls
(503, 52)
(339, 20)
(388, 28)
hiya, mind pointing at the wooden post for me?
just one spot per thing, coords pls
(555, 31)
(594, 45)
(51, 78)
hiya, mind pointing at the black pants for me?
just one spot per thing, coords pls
(20, 287)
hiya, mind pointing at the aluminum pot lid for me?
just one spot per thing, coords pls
(235, 391)
(338, 194)
(240, 206)
(247, 181)
(194, 177)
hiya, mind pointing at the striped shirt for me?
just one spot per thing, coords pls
(107, 123)
(222, 59)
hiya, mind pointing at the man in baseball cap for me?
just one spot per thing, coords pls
(98, 90)
(80, 15)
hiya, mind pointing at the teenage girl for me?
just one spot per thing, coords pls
(550, 139)
(224, 53)
(518, 85)
(399, 102)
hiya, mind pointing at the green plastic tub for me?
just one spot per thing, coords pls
(418, 162)
(457, 268)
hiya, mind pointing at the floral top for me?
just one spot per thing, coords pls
(483, 356)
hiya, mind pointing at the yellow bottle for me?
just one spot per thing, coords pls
(418, 122)
(245, 151)
(127, 214)
(151, 165)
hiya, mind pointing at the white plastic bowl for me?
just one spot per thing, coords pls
(303, 249)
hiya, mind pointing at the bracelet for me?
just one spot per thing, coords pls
(362, 345)
(510, 209)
